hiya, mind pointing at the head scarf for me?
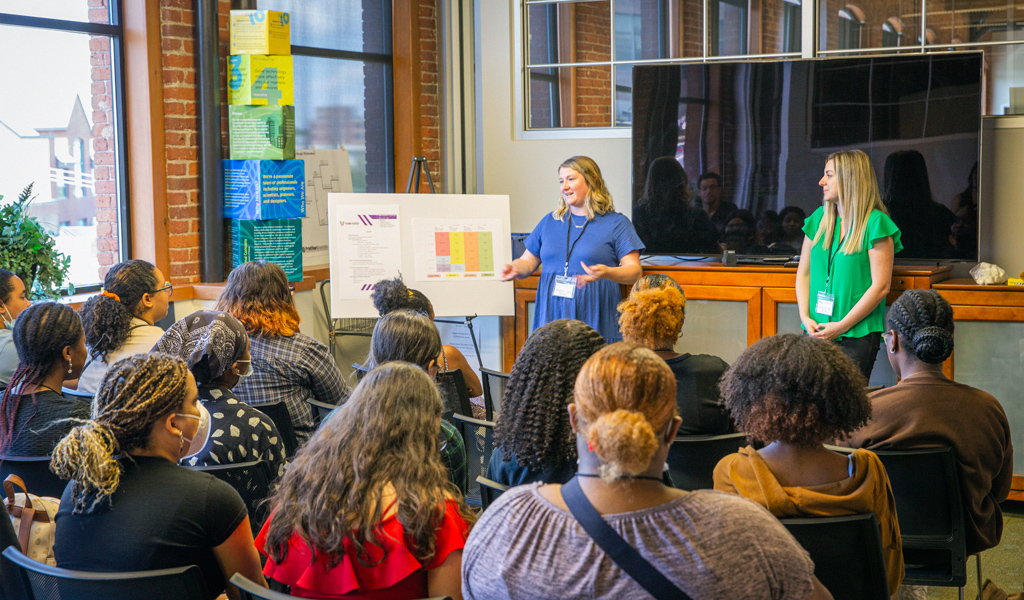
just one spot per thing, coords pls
(210, 341)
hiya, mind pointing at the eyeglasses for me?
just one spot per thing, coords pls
(167, 288)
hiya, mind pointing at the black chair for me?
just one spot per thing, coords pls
(494, 383)
(489, 490)
(71, 394)
(278, 413)
(252, 482)
(455, 395)
(692, 459)
(322, 408)
(35, 472)
(360, 371)
(479, 439)
(926, 486)
(847, 554)
(43, 582)
(247, 590)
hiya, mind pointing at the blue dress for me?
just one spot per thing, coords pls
(606, 239)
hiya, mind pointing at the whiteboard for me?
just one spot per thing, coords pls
(454, 297)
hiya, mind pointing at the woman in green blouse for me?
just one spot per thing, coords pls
(846, 261)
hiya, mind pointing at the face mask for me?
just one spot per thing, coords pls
(246, 373)
(194, 444)
(8, 322)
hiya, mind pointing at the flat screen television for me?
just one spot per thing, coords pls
(765, 129)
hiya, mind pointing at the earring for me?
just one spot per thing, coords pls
(181, 443)
(892, 351)
(70, 368)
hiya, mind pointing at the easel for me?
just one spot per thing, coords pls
(419, 163)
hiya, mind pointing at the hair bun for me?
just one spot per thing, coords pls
(932, 344)
(624, 440)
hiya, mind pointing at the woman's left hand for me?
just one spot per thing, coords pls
(594, 272)
(828, 331)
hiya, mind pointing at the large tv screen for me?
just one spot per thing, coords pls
(753, 137)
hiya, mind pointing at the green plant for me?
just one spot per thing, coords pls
(27, 249)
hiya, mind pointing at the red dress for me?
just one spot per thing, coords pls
(399, 577)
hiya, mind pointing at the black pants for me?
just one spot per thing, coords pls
(862, 350)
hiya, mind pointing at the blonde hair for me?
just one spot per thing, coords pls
(654, 312)
(599, 199)
(624, 394)
(857, 189)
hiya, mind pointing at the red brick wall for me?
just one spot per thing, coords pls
(104, 160)
(593, 84)
(430, 101)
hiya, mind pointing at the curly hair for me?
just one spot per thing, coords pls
(257, 293)
(534, 424)
(795, 389)
(135, 393)
(41, 332)
(654, 312)
(404, 335)
(625, 395)
(599, 199)
(384, 438)
(924, 321)
(391, 294)
(107, 320)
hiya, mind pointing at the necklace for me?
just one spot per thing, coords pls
(623, 476)
(669, 349)
(49, 388)
(578, 226)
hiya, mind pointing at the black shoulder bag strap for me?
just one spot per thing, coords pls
(618, 549)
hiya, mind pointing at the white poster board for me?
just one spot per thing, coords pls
(460, 295)
(327, 171)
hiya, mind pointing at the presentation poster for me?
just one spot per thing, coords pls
(369, 238)
(327, 172)
(457, 248)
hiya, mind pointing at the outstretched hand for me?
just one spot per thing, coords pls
(594, 272)
(509, 272)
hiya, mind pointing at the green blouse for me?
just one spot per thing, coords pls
(851, 273)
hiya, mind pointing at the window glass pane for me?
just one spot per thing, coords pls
(68, 10)
(569, 32)
(354, 25)
(545, 108)
(728, 21)
(570, 97)
(1005, 70)
(885, 24)
(960, 21)
(542, 36)
(624, 95)
(644, 29)
(340, 103)
(59, 133)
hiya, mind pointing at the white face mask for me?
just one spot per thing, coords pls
(245, 373)
(194, 444)
(5, 315)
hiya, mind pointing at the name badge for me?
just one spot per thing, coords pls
(825, 304)
(565, 287)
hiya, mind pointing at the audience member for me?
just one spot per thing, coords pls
(927, 409)
(907, 194)
(793, 218)
(129, 506)
(709, 188)
(653, 316)
(664, 218)
(711, 545)
(533, 437)
(288, 366)
(13, 300)
(48, 338)
(119, 321)
(365, 509)
(740, 234)
(794, 393)
(215, 346)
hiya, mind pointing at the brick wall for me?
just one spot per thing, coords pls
(430, 101)
(593, 84)
(104, 160)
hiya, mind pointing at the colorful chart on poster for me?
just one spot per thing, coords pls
(455, 248)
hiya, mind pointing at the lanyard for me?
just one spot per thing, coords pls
(568, 248)
(831, 255)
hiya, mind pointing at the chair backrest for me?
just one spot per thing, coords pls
(489, 490)
(479, 439)
(278, 413)
(71, 394)
(35, 472)
(43, 582)
(853, 568)
(494, 383)
(926, 486)
(360, 371)
(252, 482)
(248, 590)
(455, 395)
(692, 459)
(322, 408)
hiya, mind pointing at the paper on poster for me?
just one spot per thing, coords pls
(369, 247)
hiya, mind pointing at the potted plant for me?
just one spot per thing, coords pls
(30, 252)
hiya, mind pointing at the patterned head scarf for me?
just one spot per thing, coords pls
(210, 341)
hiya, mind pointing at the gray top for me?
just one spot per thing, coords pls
(8, 356)
(710, 544)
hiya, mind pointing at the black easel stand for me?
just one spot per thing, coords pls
(419, 163)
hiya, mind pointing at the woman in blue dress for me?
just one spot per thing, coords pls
(587, 250)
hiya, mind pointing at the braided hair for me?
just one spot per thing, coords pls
(924, 321)
(534, 424)
(135, 393)
(107, 320)
(391, 295)
(41, 333)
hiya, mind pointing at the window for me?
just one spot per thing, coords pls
(851, 19)
(728, 27)
(892, 32)
(343, 83)
(792, 14)
(65, 133)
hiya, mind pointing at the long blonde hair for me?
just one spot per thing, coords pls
(857, 189)
(599, 199)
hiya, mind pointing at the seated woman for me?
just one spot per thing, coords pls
(533, 434)
(927, 409)
(365, 509)
(48, 338)
(288, 366)
(711, 545)
(129, 506)
(391, 294)
(119, 321)
(216, 348)
(13, 300)
(794, 393)
(410, 336)
(653, 316)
